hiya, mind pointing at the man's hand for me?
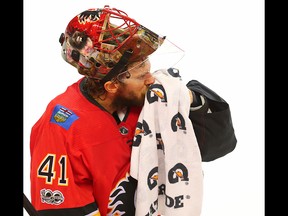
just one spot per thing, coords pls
(191, 96)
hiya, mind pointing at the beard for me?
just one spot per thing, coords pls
(131, 99)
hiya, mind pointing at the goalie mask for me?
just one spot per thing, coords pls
(101, 42)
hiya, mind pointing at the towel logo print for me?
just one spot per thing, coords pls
(178, 122)
(174, 72)
(152, 179)
(156, 92)
(160, 143)
(176, 174)
(140, 129)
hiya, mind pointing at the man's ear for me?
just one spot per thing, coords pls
(111, 87)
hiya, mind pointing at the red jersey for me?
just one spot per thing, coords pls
(80, 158)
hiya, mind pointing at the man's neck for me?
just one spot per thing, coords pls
(107, 103)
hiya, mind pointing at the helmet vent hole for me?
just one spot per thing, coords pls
(110, 64)
(75, 55)
(97, 64)
(61, 39)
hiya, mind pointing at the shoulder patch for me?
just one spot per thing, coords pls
(63, 117)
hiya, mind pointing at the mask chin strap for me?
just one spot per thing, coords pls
(119, 66)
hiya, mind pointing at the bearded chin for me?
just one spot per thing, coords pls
(122, 101)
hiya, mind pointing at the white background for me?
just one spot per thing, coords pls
(223, 42)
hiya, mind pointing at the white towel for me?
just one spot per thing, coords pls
(166, 158)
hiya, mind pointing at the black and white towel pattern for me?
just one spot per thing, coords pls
(166, 158)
